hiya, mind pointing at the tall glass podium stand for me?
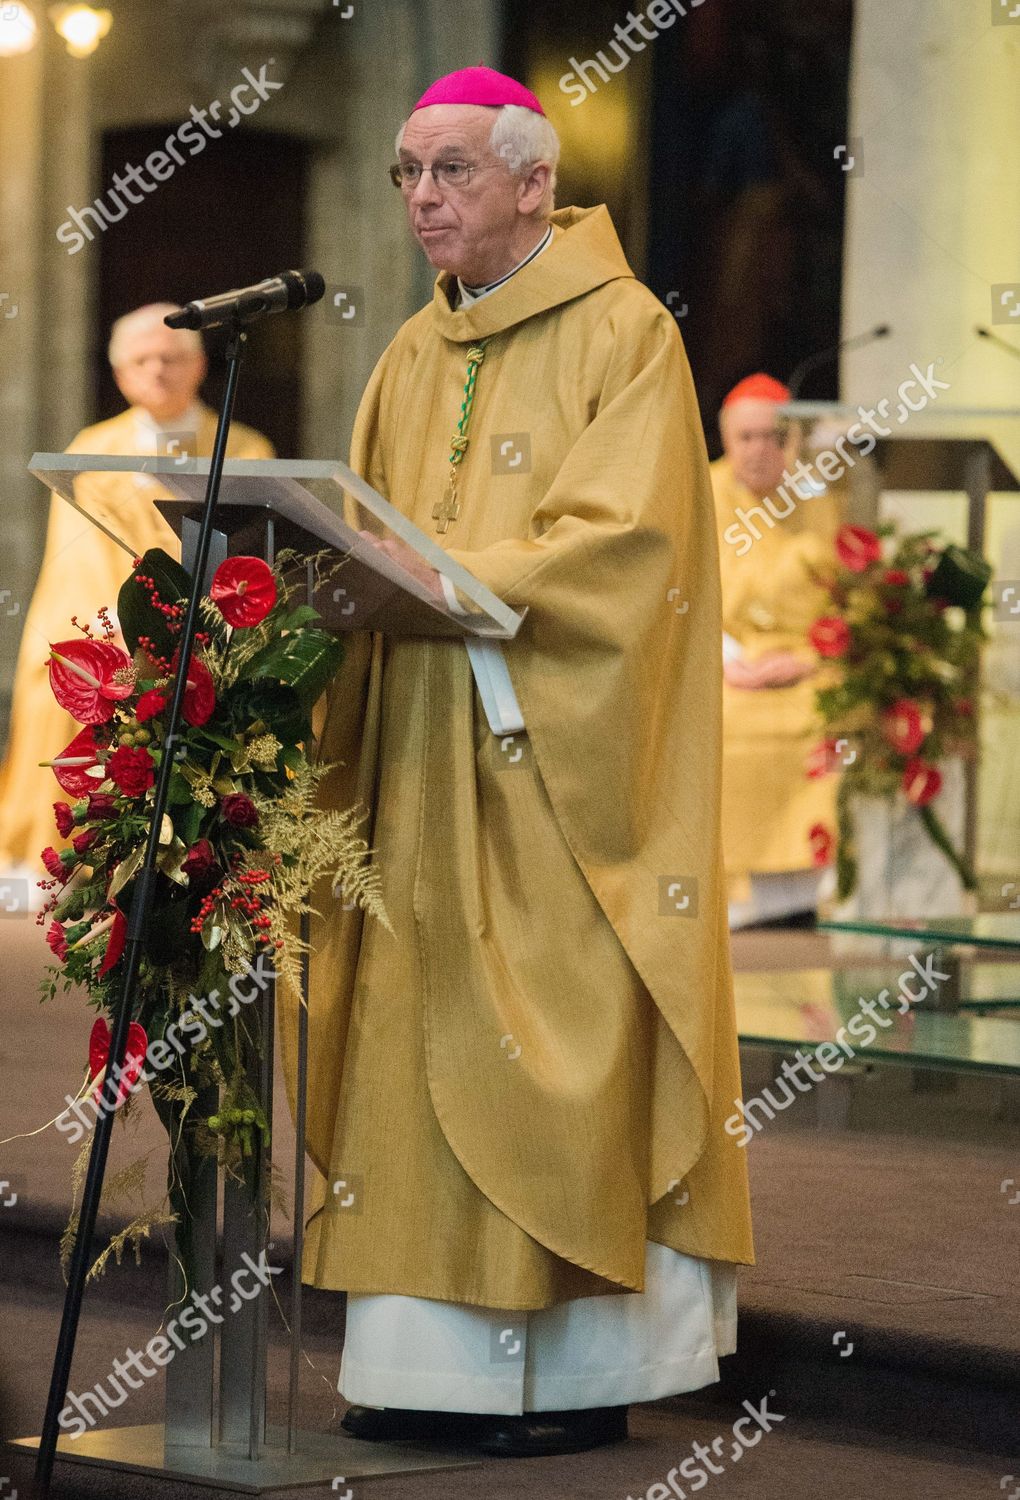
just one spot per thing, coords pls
(215, 1431)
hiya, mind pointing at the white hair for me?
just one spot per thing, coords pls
(145, 317)
(522, 138)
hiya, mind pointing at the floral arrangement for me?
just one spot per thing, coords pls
(241, 844)
(902, 637)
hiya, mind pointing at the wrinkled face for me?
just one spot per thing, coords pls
(473, 231)
(159, 369)
(756, 441)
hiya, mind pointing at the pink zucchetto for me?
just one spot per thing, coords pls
(479, 85)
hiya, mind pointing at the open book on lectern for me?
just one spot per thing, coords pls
(304, 505)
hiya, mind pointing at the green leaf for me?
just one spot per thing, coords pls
(189, 823)
(273, 703)
(304, 614)
(136, 613)
(226, 742)
(179, 793)
(307, 662)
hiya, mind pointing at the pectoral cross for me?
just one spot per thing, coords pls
(448, 509)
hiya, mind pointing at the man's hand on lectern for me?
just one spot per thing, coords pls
(407, 558)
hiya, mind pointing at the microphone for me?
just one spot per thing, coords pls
(856, 341)
(986, 333)
(283, 293)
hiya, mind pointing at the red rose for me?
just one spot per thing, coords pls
(101, 806)
(903, 726)
(132, 768)
(57, 940)
(64, 818)
(244, 590)
(857, 548)
(921, 782)
(965, 707)
(151, 703)
(82, 842)
(896, 577)
(822, 844)
(830, 636)
(239, 811)
(200, 863)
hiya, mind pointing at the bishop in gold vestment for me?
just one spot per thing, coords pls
(516, 1102)
(159, 371)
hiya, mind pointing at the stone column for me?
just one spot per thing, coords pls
(44, 164)
(380, 60)
(932, 244)
(932, 225)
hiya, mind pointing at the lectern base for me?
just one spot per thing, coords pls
(320, 1459)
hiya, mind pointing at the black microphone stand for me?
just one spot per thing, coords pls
(986, 333)
(815, 361)
(137, 930)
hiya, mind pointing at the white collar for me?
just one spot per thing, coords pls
(469, 294)
(148, 428)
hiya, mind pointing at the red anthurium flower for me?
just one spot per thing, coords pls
(903, 726)
(822, 844)
(134, 1056)
(132, 769)
(896, 577)
(72, 766)
(151, 703)
(115, 942)
(64, 818)
(857, 548)
(89, 678)
(921, 782)
(200, 693)
(244, 590)
(830, 636)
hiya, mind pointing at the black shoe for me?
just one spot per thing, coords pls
(394, 1424)
(537, 1434)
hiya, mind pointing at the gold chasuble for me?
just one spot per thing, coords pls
(528, 1079)
(769, 602)
(82, 570)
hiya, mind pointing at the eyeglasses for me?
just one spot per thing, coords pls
(447, 174)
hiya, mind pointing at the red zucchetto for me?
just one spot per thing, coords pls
(758, 387)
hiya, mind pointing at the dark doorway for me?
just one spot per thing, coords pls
(228, 217)
(716, 146)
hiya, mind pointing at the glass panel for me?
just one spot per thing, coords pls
(989, 930)
(809, 1007)
(388, 579)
